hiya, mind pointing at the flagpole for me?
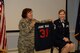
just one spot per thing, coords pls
(66, 10)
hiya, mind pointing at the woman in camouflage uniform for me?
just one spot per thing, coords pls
(26, 35)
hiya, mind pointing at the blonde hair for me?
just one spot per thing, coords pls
(61, 11)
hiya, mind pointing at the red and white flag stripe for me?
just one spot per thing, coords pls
(3, 38)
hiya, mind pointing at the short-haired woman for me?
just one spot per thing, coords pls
(26, 34)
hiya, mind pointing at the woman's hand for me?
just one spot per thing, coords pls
(32, 23)
(65, 39)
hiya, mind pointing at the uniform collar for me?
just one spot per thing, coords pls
(60, 21)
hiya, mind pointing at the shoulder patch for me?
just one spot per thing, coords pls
(67, 25)
(23, 25)
(54, 26)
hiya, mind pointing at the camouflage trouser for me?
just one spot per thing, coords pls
(27, 49)
(26, 46)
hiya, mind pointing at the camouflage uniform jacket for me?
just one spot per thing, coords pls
(26, 36)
